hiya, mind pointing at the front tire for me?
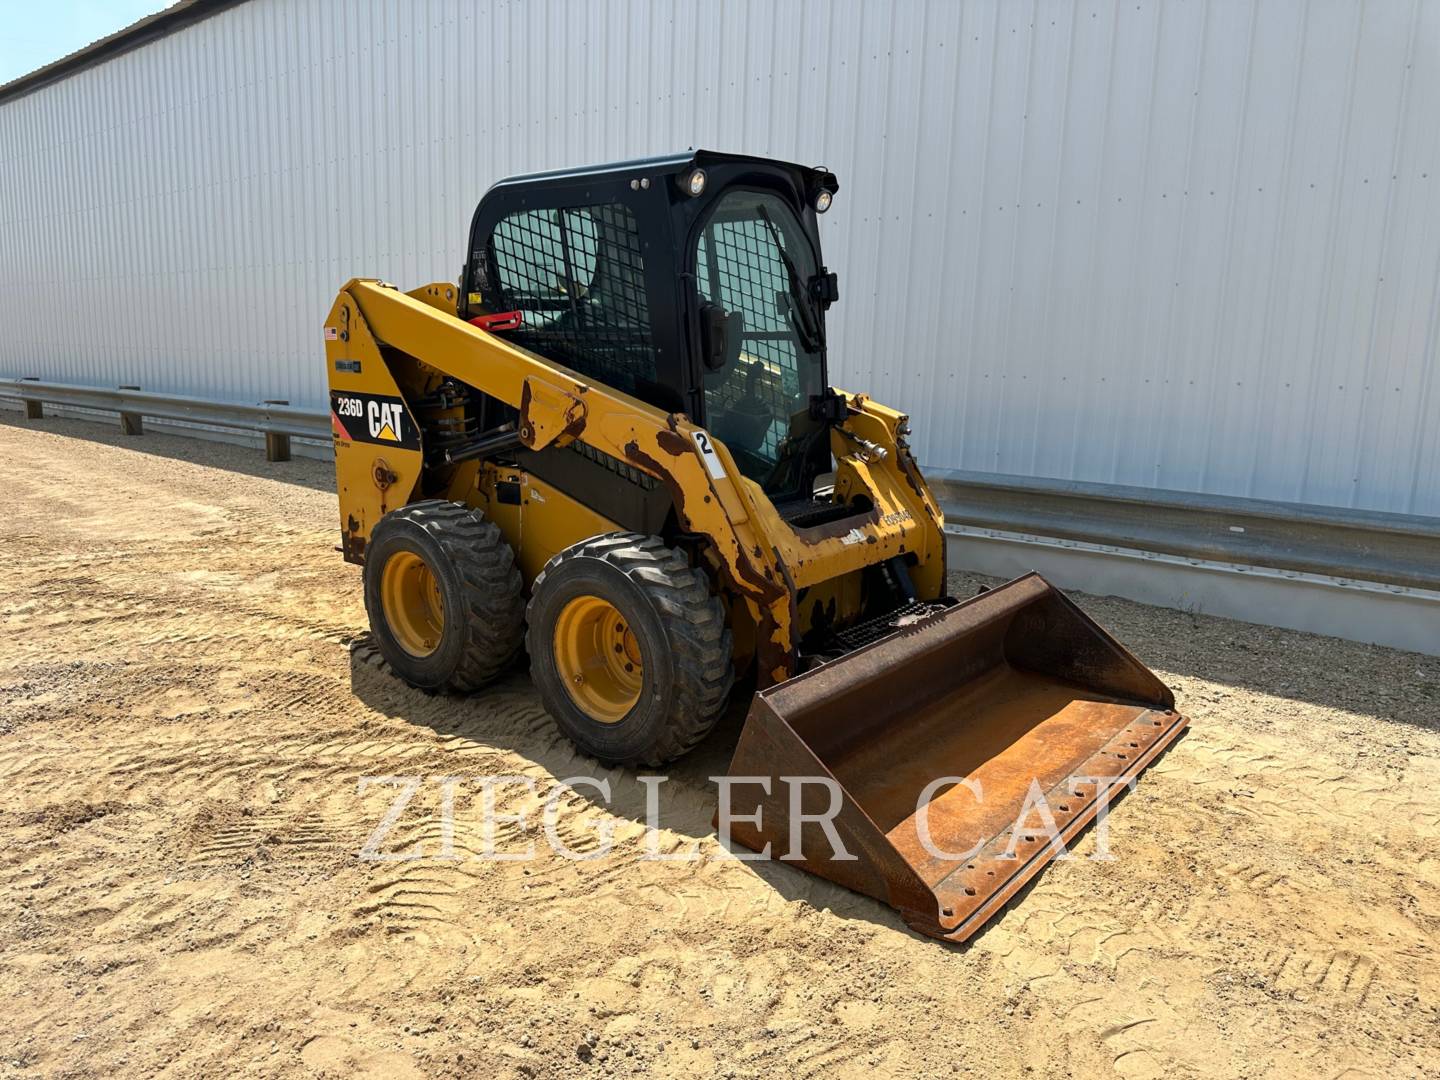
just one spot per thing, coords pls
(444, 596)
(628, 649)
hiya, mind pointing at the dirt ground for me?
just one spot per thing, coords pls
(188, 703)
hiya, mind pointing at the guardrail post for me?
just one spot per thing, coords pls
(34, 410)
(277, 446)
(131, 423)
(133, 405)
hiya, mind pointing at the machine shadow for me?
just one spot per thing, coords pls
(508, 716)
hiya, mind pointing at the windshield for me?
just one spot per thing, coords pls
(753, 258)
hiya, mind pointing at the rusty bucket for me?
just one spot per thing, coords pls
(938, 743)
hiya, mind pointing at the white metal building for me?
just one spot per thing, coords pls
(1185, 245)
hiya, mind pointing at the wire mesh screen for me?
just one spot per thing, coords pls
(578, 275)
(740, 266)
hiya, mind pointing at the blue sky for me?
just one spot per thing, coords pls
(35, 32)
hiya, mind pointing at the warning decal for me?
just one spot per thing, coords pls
(372, 418)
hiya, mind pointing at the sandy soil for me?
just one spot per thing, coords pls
(187, 704)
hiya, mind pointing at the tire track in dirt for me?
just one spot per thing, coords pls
(185, 719)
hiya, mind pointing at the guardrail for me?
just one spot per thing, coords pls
(276, 420)
(1401, 550)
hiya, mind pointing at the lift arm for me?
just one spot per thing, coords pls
(557, 406)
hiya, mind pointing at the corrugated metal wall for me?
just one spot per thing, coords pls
(1189, 244)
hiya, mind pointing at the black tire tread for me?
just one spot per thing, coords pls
(694, 623)
(495, 603)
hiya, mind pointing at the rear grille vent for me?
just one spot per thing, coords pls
(622, 469)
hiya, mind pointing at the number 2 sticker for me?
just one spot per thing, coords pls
(708, 455)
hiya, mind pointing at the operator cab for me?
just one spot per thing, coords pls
(693, 282)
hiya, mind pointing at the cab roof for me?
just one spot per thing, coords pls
(666, 165)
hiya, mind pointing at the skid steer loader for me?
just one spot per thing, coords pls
(613, 444)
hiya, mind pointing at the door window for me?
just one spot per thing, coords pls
(753, 257)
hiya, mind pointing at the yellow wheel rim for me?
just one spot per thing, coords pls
(598, 657)
(414, 609)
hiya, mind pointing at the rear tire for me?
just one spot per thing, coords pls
(448, 613)
(627, 601)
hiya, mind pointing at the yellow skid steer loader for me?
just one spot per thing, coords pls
(614, 445)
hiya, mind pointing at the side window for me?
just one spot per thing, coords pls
(578, 275)
(543, 257)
